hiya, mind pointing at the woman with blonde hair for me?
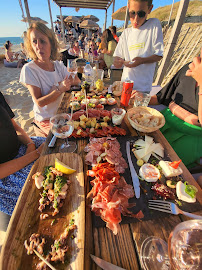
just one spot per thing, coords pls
(45, 77)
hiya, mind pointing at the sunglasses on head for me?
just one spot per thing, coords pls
(141, 13)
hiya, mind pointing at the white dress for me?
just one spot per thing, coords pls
(143, 42)
(32, 74)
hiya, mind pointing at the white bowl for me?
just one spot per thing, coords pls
(145, 111)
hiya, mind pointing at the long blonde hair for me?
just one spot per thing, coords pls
(45, 31)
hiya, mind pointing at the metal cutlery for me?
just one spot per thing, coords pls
(52, 142)
(105, 265)
(135, 179)
(169, 207)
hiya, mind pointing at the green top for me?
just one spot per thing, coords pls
(109, 58)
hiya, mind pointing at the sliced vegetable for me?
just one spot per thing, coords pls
(175, 164)
(190, 190)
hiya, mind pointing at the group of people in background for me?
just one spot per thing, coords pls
(46, 78)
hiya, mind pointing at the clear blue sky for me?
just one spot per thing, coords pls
(11, 15)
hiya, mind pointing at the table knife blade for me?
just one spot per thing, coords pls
(135, 179)
(105, 265)
(52, 142)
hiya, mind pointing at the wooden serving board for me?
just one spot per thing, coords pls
(25, 219)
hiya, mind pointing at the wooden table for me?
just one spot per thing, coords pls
(123, 249)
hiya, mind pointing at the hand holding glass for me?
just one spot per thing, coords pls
(72, 68)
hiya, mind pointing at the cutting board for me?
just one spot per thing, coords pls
(25, 219)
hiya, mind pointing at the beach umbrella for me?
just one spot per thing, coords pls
(91, 17)
(71, 19)
(34, 19)
(120, 14)
(89, 24)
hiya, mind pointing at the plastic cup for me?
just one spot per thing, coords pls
(141, 99)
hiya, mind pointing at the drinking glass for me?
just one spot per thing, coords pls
(184, 249)
(141, 99)
(72, 68)
(62, 127)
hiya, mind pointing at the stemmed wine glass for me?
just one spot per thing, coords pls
(184, 249)
(62, 127)
(72, 68)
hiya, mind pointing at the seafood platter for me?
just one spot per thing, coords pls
(112, 198)
(48, 217)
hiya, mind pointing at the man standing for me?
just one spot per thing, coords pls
(140, 46)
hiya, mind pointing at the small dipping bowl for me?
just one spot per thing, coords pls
(117, 115)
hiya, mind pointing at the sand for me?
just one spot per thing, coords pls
(18, 97)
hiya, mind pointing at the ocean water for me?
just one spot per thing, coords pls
(13, 40)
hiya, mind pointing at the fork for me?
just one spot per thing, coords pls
(170, 208)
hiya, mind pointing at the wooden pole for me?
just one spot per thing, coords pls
(172, 41)
(113, 12)
(126, 17)
(27, 12)
(50, 14)
(105, 24)
(63, 29)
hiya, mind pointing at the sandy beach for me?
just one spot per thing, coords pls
(17, 96)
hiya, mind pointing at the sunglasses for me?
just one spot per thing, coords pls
(141, 13)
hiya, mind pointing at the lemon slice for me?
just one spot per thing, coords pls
(60, 166)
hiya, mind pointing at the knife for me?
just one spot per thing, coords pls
(52, 142)
(135, 179)
(105, 265)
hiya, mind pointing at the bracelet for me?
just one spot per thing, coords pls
(30, 143)
(199, 94)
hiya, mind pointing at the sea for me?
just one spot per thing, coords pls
(14, 40)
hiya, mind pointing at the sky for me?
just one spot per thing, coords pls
(11, 14)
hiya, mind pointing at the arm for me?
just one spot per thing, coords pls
(55, 92)
(31, 154)
(24, 138)
(15, 165)
(143, 60)
(154, 100)
(184, 114)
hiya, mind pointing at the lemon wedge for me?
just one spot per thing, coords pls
(60, 166)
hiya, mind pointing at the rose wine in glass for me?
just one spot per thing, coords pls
(62, 127)
(183, 252)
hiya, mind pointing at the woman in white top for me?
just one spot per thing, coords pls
(45, 78)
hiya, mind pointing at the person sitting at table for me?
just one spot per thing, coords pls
(11, 57)
(93, 49)
(183, 96)
(18, 151)
(45, 78)
(76, 48)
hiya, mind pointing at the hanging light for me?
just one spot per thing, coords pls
(77, 9)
